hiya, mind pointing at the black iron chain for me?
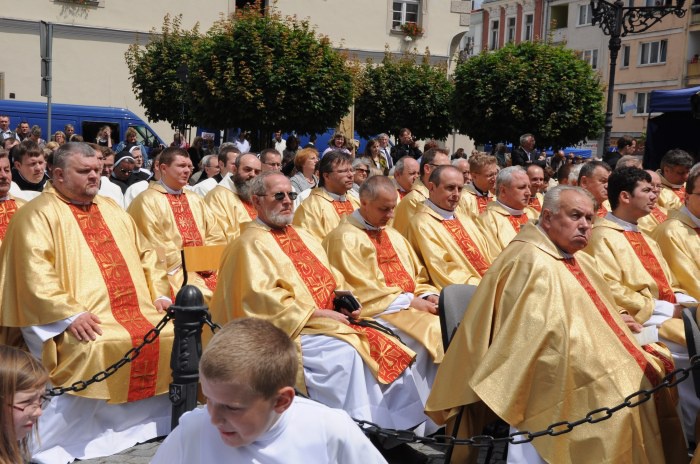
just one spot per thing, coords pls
(212, 325)
(558, 428)
(130, 355)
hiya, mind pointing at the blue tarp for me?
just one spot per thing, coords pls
(666, 101)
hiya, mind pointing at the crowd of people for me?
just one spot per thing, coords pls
(581, 270)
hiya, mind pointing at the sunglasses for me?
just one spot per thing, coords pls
(279, 196)
(125, 171)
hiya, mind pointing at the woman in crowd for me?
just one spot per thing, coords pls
(22, 386)
(372, 152)
(59, 137)
(104, 137)
(305, 162)
(338, 142)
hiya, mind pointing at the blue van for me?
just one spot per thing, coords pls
(87, 120)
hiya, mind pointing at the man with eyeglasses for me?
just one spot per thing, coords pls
(172, 217)
(419, 193)
(123, 170)
(327, 204)
(85, 288)
(271, 160)
(360, 167)
(229, 201)
(280, 272)
(476, 195)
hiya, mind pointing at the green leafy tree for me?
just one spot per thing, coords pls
(153, 71)
(530, 87)
(266, 72)
(400, 92)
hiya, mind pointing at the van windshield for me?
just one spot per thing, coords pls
(145, 136)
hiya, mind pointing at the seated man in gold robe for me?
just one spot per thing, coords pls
(504, 217)
(545, 343)
(8, 203)
(675, 167)
(409, 205)
(281, 273)
(477, 194)
(84, 288)
(406, 171)
(638, 275)
(387, 276)
(594, 178)
(679, 238)
(450, 244)
(229, 201)
(327, 204)
(536, 175)
(172, 217)
(658, 214)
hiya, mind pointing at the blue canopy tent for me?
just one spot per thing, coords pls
(677, 127)
(582, 152)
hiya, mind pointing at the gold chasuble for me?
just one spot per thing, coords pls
(283, 277)
(603, 209)
(319, 213)
(406, 209)
(637, 273)
(671, 196)
(648, 223)
(8, 208)
(380, 265)
(171, 222)
(228, 208)
(472, 203)
(545, 343)
(535, 202)
(455, 251)
(679, 240)
(500, 227)
(60, 260)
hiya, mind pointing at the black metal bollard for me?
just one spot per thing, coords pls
(189, 312)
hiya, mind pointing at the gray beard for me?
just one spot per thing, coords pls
(243, 189)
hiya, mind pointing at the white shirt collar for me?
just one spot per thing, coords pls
(445, 214)
(563, 253)
(335, 196)
(687, 212)
(513, 212)
(169, 190)
(363, 222)
(628, 226)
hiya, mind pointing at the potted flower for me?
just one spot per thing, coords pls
(411, 30)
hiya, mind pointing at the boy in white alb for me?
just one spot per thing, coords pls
(247, 374)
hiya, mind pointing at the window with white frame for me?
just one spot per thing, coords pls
(493, 41)
(625, 56)
(529, 27)
(643, 100)
(591, 57)
(653, 52)
(584, 14)
(405, 11)
(621, 101)
(510, 29)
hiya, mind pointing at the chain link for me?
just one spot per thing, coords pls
(130, 355)
(212, 325)
(518, 438)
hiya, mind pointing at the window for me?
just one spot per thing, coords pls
(510, 29)
(584, 14)
(590, 57)
(653, 52)
(621, 100)
(529, 24)
(643, 100)
(404, 11)
(625, 59)
(493, 42)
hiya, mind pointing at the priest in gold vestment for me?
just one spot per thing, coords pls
(545, 344)
(477, 194)
(8, 203)
(679, 238)
(84, 288)
(593, 177)
(675, 167)
(658, 214)
(172, 217)
(327, 204)
(638, 275)
(450, 244)
(281, 273)
(409, 204)
(229, 201)
(504, 217)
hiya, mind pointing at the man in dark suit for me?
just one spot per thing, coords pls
(405, 147)
(525, 154)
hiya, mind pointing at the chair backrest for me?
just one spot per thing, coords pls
(201, 258)
(452, 304)
(692, 339)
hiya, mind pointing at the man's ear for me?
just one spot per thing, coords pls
(285, 396)
(625, 197)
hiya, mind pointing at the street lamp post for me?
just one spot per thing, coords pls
(617, 20)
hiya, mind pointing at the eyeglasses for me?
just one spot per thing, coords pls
(41, 403)
(344, 171)
(125, 171)
(366, 171)
(279, 196)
